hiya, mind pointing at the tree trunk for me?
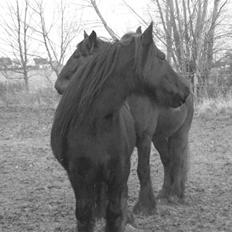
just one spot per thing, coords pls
(26, 81)
(210, 41)
(168, 36)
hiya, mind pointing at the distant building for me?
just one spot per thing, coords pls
(15, 64)
(41, 63)
(5, 63)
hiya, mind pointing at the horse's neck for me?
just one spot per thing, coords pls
(113, 95)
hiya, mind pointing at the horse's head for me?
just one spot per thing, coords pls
(155, 73)
(84, 51)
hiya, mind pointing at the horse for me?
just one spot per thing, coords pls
(86, 48)
(93, 132)
(168, 129)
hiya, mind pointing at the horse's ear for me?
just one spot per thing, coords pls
(139, 30)
(147, 37)
(85, 35)
(93, 38)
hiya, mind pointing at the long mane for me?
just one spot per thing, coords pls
(85, 85)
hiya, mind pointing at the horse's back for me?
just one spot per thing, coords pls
(150, 118)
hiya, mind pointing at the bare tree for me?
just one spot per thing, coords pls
(189, 30)
(94, 5)
(56, 48)
(210, 37)
(108, 29)
(17, 30)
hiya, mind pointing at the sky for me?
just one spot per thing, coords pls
(118, 16)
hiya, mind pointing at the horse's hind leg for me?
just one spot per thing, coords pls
(161, 144)
(174, 156)
(146, 203)
(178, 163)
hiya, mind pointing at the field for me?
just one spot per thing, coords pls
(35, 194)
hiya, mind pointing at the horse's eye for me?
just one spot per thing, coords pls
(161, 55)
(78, 54)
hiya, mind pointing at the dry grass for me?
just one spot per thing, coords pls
(36, 195)
(213, 106)
(15, 95)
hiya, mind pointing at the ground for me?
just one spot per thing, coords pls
(35, 194)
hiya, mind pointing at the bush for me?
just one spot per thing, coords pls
(209, 107)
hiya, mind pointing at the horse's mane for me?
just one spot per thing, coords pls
(105, 39)
(129, 36)
(84, 86)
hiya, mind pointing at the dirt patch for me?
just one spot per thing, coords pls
(35, 194)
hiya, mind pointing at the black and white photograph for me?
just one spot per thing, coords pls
(115, 116)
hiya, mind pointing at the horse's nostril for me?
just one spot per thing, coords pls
(59, 91)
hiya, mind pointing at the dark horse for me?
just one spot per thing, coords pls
(168, 129)
(93, 134)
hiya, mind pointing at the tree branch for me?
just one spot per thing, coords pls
(108, 29)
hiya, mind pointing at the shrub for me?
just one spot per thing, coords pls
(208, 107)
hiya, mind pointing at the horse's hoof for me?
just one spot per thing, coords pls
(165, 198)
(162, 200)
(162, 194)
(145, 209)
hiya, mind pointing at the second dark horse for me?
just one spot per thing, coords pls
(167, 128)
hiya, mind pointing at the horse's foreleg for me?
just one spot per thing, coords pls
(116, 212)
(84, 215)
(84, 194)
(146, 203)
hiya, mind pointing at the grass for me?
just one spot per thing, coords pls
(15, 95)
